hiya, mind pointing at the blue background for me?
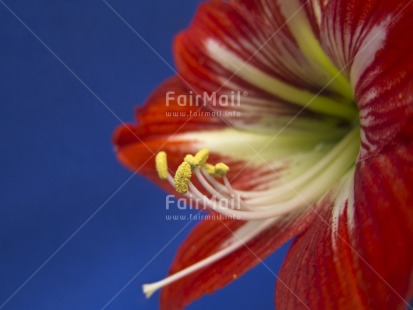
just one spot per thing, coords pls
(76, 230)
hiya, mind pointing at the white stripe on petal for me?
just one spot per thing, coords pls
(343, 202)
(372, 43)
(272, 85)
(296, 18)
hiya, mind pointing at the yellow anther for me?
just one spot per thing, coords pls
(182, 177)
(221, 169)
(210, 169)
(202, 156)
(161, 165)
(191, 160)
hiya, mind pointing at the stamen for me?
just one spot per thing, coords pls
(210, 169)
(182, 177)
(202, 156)
(218, 192)
(161, 163)
(213, 181)
(190, 159)
(209, 188)
(221, 170)
(198, 160)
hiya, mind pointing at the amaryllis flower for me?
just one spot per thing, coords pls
(309, 105)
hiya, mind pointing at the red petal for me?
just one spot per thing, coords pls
(371, 41)
(160, 117)
(366, 262)
(136, 145)
(260, 41)
(221, 21)
(205, 240)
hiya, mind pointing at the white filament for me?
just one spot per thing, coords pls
(250, 231)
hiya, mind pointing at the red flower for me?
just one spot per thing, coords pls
(313, 115)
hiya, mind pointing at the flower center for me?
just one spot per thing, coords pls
(305, 188)
(260, 208)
